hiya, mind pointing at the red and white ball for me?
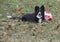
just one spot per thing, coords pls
(48, 16)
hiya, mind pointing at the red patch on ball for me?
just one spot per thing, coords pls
(50, 19)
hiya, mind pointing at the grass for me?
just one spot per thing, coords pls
(15, 31)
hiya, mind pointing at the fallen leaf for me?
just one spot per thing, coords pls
(49, 4)
(22, 41)
(50, 40)
(39, 30)
(54, 32)
(4, 20)
(7, 33)
(8, 41)
(2, 28)
(10, 26)
(1, 36)
(24, 30)
(20, 10)
(33, 34)
(57, 25)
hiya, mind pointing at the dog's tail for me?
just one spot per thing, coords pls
(14, 17)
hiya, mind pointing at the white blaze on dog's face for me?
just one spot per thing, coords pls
(39, 15)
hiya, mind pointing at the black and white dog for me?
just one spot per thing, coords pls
(37, 16)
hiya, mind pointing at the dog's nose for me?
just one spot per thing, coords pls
(39, 13)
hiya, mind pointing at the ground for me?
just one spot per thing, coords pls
(18, 31)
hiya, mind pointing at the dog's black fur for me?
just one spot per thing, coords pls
(42, 12)
(32, 16)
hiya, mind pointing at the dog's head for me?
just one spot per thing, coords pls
(39, 11)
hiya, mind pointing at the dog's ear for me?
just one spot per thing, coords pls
(42, 12)
(36, 8)
(42, 7)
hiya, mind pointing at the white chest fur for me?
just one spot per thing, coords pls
(40, 20)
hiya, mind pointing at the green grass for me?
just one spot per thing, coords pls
(28, 31)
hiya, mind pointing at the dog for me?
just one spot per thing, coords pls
(37, 16)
